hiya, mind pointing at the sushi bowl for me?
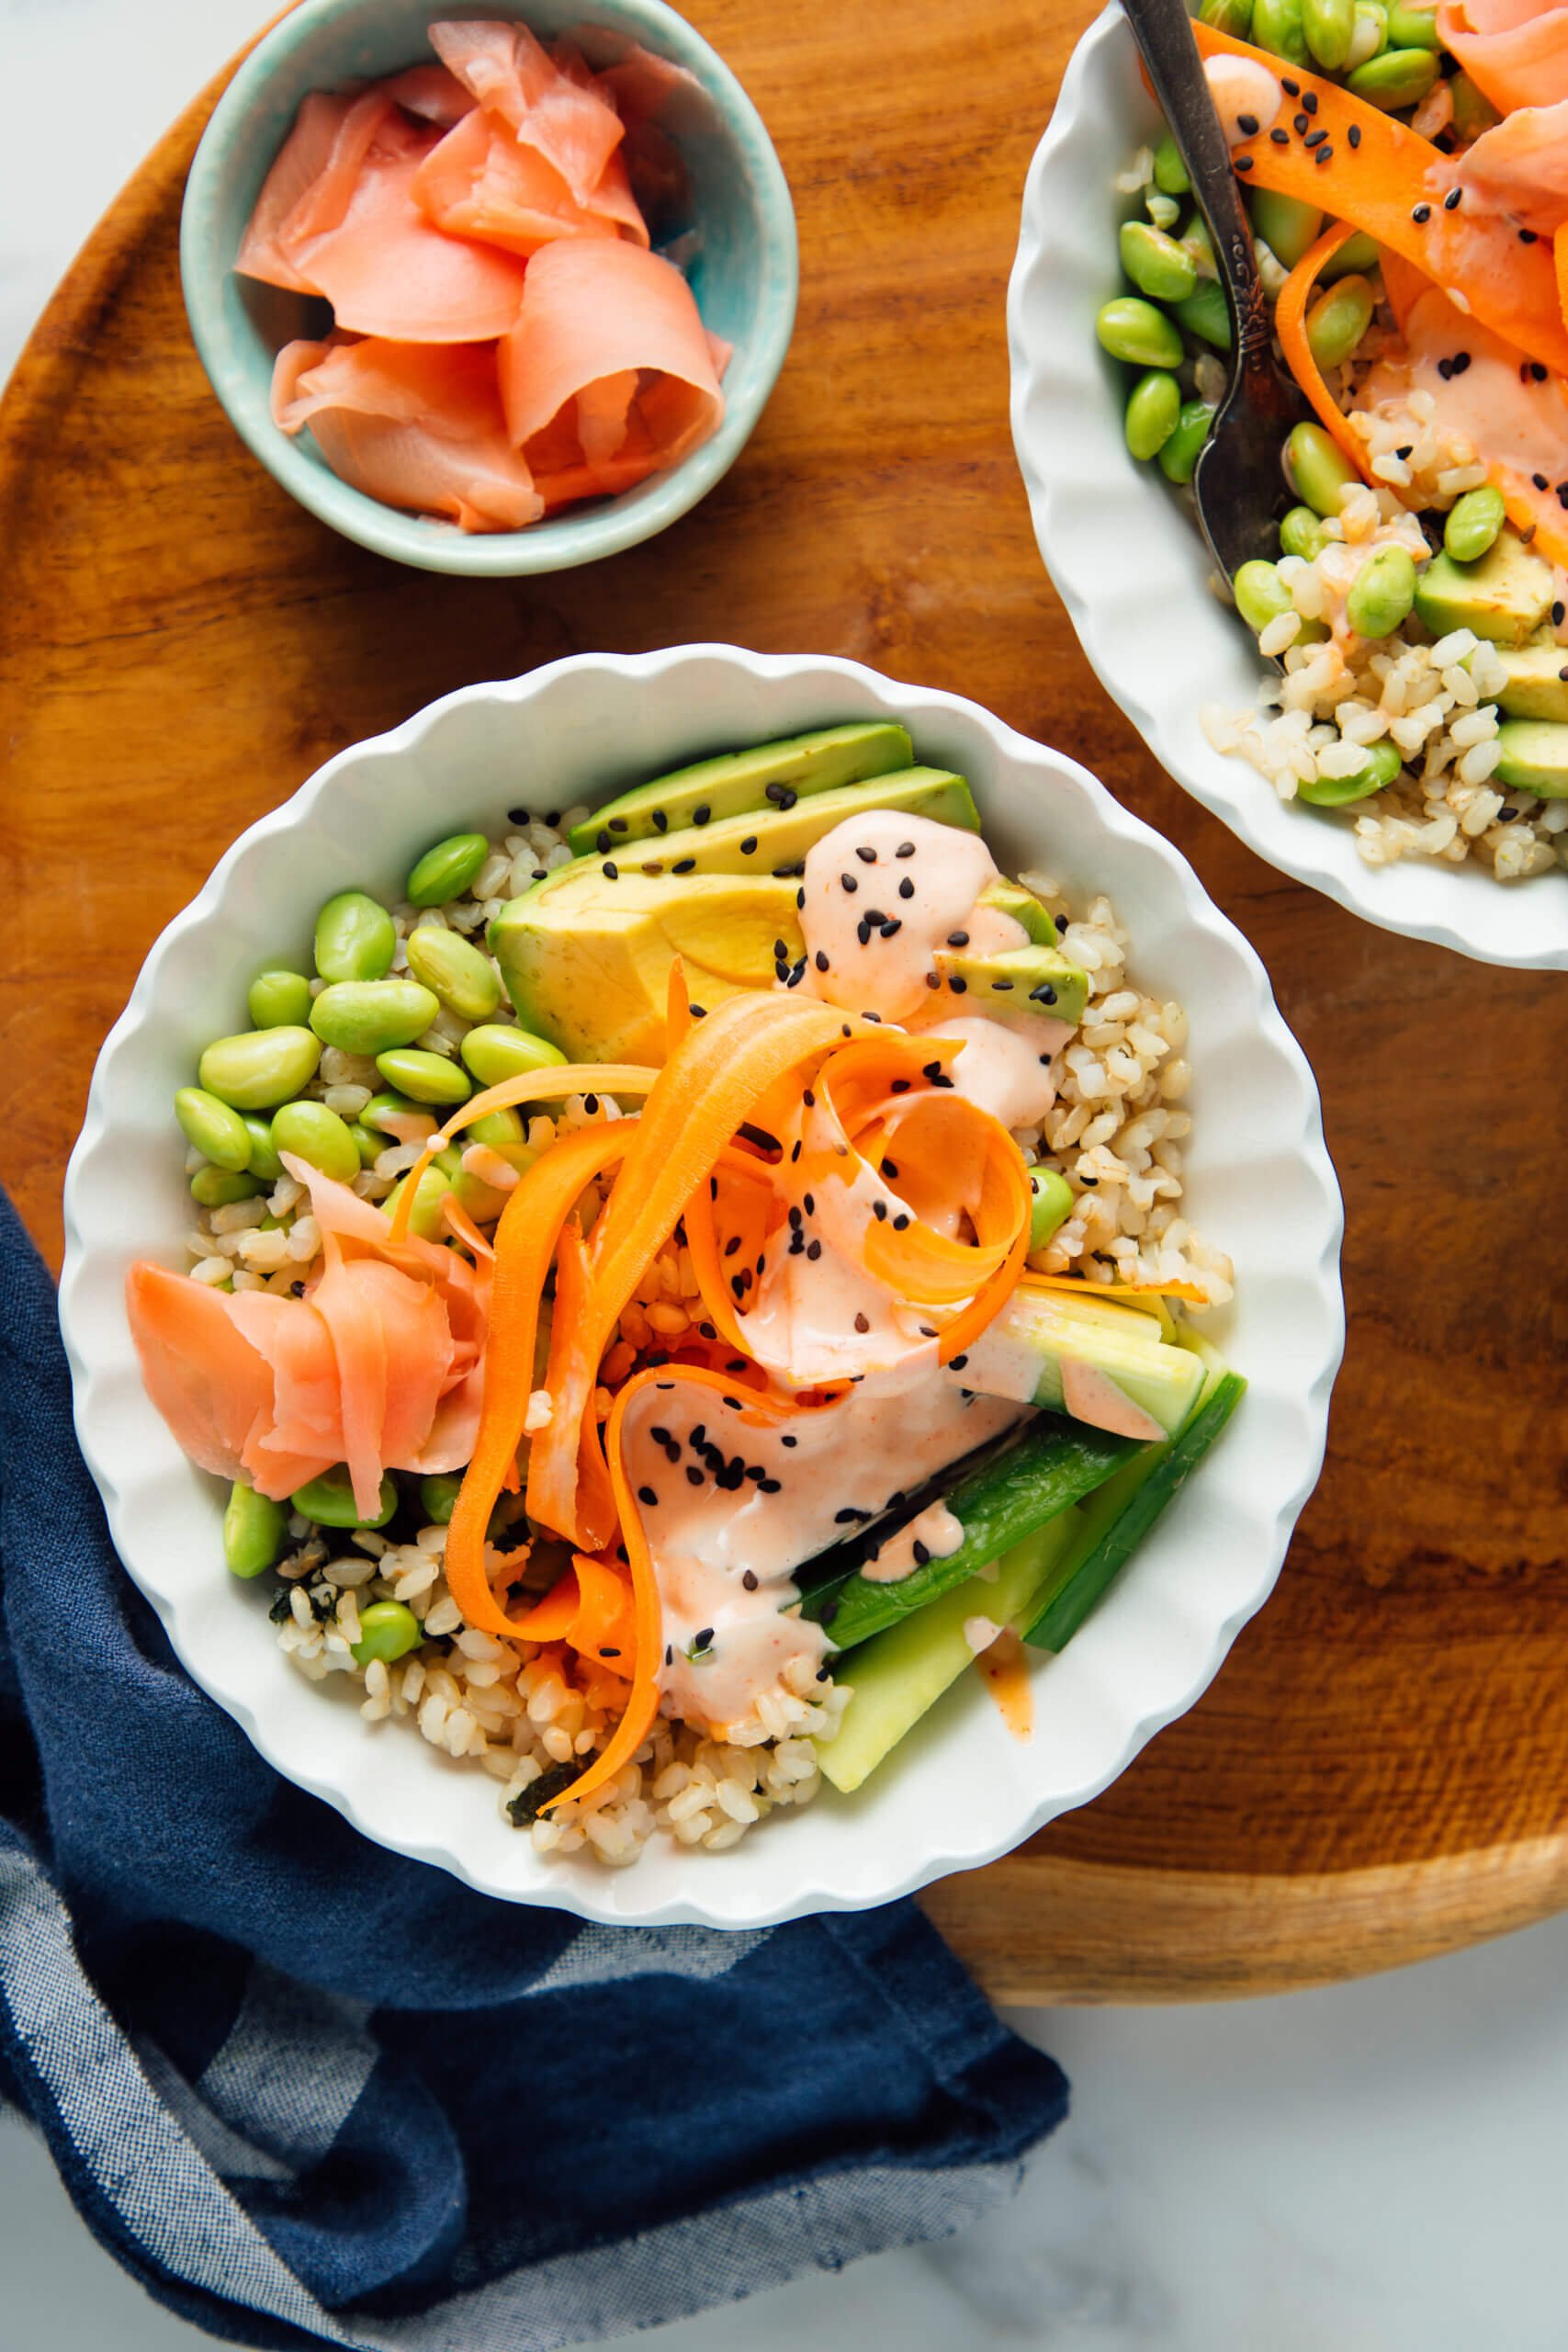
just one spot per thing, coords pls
(964, 1788)
(737, 226)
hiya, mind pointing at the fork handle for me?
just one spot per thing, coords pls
(1164, 33)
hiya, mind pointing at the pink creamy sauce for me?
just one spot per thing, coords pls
(724, 1543)
(1520, 424)
(1239, 87)
(932, 1535)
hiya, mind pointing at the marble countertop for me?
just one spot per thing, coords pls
(1381, 2167)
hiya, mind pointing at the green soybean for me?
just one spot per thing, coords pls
(387, 1105)
(1329, 26)
(1277, 27)
(253, 1532)
(313, 1133)
(1301, 533)
(214, 1188)
(1171, 171)
(260, 1068)
(1473, 521)
(217, 1131)
(1233, 17)
(1317, 468)
(426, 1077)
(1472, 112)
(1135, 330)
(1053, 1205)
(387, 1630)
(1381, 765)
(438, 1496)
(1399, 77)
(1260, 595)
(278, 999)
(502, 1130)
(1155, 263)
(1338, 318)
(1369, 37)
(1152, 408)
(356, 938)
(1195, 240)
(495, 1052)
(368, 1016)
(1287, 226)
(1411, 27)
(1206, 313)
(367, 1143)
(1382, 592)
(1179, 457)
(1358, 254)
(445, 871)
(329, 1501)
(466, 981)
(263, 1160)
(424, 1215)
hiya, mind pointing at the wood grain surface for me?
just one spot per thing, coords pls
(1381, 1769)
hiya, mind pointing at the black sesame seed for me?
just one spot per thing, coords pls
(794, 1151)
(517, 815)
(906, 888)
(814, 1250)
(704, 1639)
(1291, 89)
(808, 1202)
(1450, 201)
(862, 932)
(1421, 215)
(889, 1170)
(900, 1222)
(612, 873)
(1299, 123)
(1061, 924)
(958, 939)
(1540, 482)
(862, 1323)
(791, 1442)
(1281, 138)
(698, 1011)
(957, 1364)
(850, 882)
(669, 1654)
(1324, 154)
(1354, 134)
(867, 856)
(933, 982)
(538, 872)
(890, 929)
(602, 842)
(1247, 122)
(1461, 361)
(683, 866)
(1507, 816)
(1557, 615)
(810, 1099)
(820, 959)
(700, 816)
(749, 1580)
(1406, 451)
(749, 844)
(905, 849)
(660, 822)
(847, 1517)
(1309, 100)
(800, 897)
(647, 1494)
(617, 824)
(730, 1247)
(922, 1553)
(1314, 137)
(1527, 237)
(958, 984)
(1537, 371)
(879, 1211)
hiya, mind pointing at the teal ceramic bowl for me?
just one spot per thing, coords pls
(744, 276)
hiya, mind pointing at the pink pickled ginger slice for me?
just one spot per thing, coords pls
(310, 185)
(1514, 51)
(480, 183)
(509, 71)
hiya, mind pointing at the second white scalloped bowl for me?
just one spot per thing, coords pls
(1131, 568)
(1260, 1185)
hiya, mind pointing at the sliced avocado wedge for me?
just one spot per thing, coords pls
(1538, 681)
(1504, 594)
(1011, 899)
(1017, 980)
(587, 961)
(1041, 1330)
(737, 782)
(777, 842)
(1535, 757)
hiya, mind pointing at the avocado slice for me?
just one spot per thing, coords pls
(587, 961)
(1042, 1328)
(1535, 757)
(1017, 980)
(777, 843)
(1538, 681)
(1011, 899)
(737, 783)
(1504, 594)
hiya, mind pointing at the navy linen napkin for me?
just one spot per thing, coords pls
(309, 2092)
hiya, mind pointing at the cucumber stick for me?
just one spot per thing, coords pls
(1049, 1468)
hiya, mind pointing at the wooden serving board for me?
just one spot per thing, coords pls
(1381, 1771)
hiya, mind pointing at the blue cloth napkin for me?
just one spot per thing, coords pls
(309, 2092)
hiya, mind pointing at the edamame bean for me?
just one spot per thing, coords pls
(218, 1132)
(483, 1201)
(368, 1016)
(426, 1077)
(279, 998)
(356, 938)
(1382, 592)
(1171, 171)
(424, 1215)
(1316, 468)
(1206, 313)
(1260, 595)
(445, 871)
(387, 1630)
(254, 1531)
(367, 1143)
(1381, 765)
(502, 1130)
(214, 1188)
(1155, 263)
(1152, 408)
(263, 1160)
(1053, 1205)
(1338, 318)
(1329, 25)
(495, 1052)
(1473, 521)
(1411, 27)
(1195, 240)
(1277, 27)
(1135, 330)
(329, 1501)
(1287, 226)
(465, 980)
(1179, 457)
(438, 1496)
(1233, 17)
(1369, 37)
(1472, 113)
(260, 1068)
(1301, 533)
(1399, 77)
(1358, 254)
(313, 1133)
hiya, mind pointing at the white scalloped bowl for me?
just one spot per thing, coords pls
(1131, 568)
(1261, 1187)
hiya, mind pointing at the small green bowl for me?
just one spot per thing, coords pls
(745, 275)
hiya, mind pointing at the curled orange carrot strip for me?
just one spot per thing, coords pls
(534, 1086)
(1290, 325)
(590, 1608)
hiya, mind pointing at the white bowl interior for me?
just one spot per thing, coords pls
(1127, 559)
(1259, 1184)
